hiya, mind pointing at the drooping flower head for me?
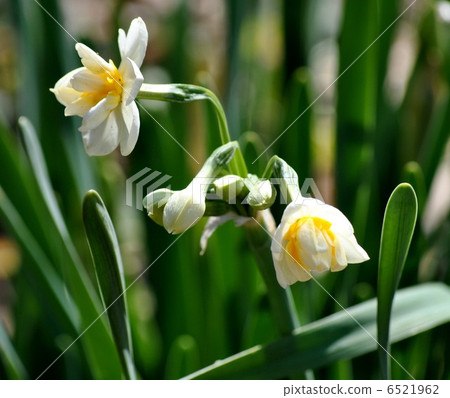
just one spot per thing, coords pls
(312, 238)
(103, 95)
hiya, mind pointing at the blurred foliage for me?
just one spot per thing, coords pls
(384, 121)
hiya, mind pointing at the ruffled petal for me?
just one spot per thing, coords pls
(97, 114)
(87, 81)
(130, 133)
(288, 271)
(136, 42)
(66, 79)
(79, 106)
(66, 95)
(132, 79)
(105, 138)
(91, 60)
(63, 90)
(355, 253)
(340, 258)
(296, 210)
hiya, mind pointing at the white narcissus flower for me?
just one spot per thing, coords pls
(103, 95)
(312, 238)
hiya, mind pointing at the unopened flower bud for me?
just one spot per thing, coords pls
(155, 202)
(229, 187)
(183, 209)
(262, 193)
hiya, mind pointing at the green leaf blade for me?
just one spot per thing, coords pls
(336, 337)
(13, 364)
(109, 270)
(398, 227)
(84, 298)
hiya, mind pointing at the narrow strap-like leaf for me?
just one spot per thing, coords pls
(13, 365)
(398, 227)
(109, 270)
(344, 335)
(80, 286)
(41, 268)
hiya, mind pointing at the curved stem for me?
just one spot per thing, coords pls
(281, 301)
(189, 93)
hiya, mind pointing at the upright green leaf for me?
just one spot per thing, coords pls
(398, 227)
(356, 102)
(109, 270)
(53, 289)
(183, 357)
(343, 335)
(297, 139)
(84, 296)
(434, 139)
(13, 365)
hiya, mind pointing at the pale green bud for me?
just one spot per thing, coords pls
(184, 209)
(287, 179)
(262, 193)
(155, 202)
(229, 187)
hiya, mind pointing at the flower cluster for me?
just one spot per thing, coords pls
(312, 237)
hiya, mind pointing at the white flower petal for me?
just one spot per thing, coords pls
(97, 114)
(105, 138)
(296, 210)
(288, 271)
(129, 136)
(91, 60)
(132, 80)
(284, 275)
(136, 42)
(79, 107)
(340, 256)
(87, 81)
(122, 41)
(65, 80)
(66, 95)
(355, 253)
(63, 90)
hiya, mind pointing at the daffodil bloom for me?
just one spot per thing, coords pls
(103, 95)
(312, 238)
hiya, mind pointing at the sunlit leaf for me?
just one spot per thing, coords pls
(398, 227)
(109, 270)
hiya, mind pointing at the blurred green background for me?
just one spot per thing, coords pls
(385, 121)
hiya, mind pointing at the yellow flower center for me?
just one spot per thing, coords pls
(113, 84)
(292, 246)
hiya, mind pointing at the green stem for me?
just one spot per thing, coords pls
(189, 93)
(281, 301)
